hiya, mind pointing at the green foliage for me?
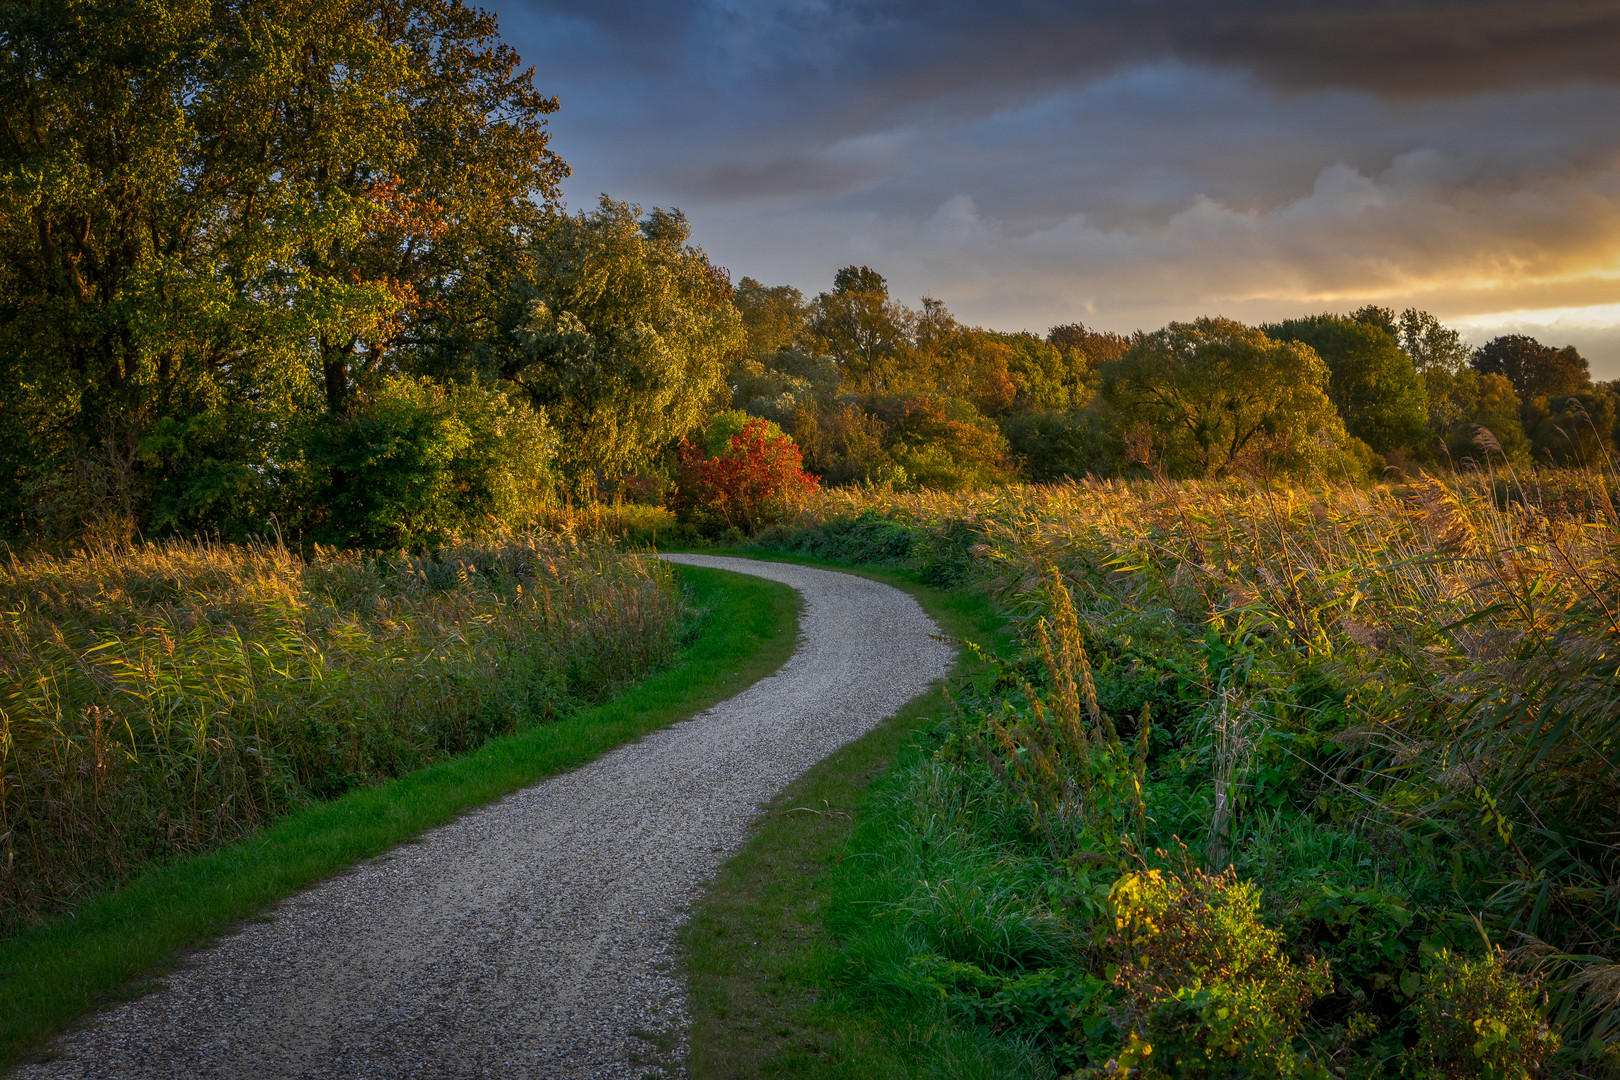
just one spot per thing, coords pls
(1534, 369)
(1462, 402)
(861, 328)
(1578, 429)
(941, 443)
(1051, 445)
(410, 464)
(1206, 988)
(628, 332)
(218, 214)
(1478, 1019)
(723, 425)
(1371, 381)
(1212, 397)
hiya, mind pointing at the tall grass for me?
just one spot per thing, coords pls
(160, 699)
(1397, 709)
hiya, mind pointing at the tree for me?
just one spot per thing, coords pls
(1099, 346)
(1534, 369)
(1573, 429)
(1371, 382)
(410, 464)
(628, 334)
(1216, 396)
(216, 210)
(774, 317)
(862, 328)
(1461, 403)
(942, 442)
(1431, 346)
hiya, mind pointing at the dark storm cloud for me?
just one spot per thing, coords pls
(905, 50)
(1124, 162)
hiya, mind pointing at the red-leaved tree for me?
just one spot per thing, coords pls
(756, 479)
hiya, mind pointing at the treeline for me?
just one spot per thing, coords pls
(304, 266)
(877, 392)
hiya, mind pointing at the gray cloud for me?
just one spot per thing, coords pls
(1122, 162)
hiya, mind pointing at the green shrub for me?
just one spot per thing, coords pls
(413, 464)
(1207, 989)
(1478, 1019)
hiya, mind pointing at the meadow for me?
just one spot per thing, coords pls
(1282, 780)
(160, 699)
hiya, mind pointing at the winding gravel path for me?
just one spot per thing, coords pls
(533, 937)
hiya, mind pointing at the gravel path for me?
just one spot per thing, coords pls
(533, 937)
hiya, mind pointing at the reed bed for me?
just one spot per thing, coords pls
(160, 699)
(1394, 710)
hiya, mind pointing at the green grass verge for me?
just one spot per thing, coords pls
(112, 946)
(763, 970)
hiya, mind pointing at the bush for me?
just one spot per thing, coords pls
(412, 464)
(1207, 989)
(1477, 1019)
(754, 480)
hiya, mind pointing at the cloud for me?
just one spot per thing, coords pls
(1125, 163)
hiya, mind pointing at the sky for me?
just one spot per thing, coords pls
(1120, 163)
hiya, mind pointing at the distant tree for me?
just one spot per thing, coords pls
(1432, 346)
(1017, 372)
(862, 328)
(1573, 429)
(627, 338)
(1371, 381)
(942, 443)
(775, 318)
(1534, 369)
(1051, 444)
(1379, 318)
(1462, 402)
(1215, 396)
(1099, 346)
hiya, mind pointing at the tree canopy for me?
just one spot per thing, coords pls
(1215, 395)
(628, 334)
(1372, 382)
(1534, 369)
(220, 215)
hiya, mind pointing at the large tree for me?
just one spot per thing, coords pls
(1534, 369)
(865, 331)
(217, 212)
(1213, 396)
(1370, 380)
(628, 335)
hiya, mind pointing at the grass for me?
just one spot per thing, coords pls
(116, 944)
(157, 700)
(1370, 730)
(762, 966)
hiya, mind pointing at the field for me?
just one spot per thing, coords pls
(161, 699)
(1282, 782)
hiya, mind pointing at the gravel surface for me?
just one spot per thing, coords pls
(532, 937)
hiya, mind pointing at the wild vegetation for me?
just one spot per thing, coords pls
(1308, 762)
(1285, 781)
(161, 699)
